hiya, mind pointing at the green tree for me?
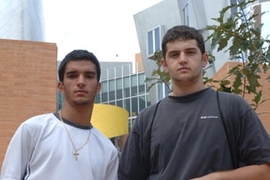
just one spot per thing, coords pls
(239, 35)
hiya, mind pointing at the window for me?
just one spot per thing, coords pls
(154, 41)
(141, 79)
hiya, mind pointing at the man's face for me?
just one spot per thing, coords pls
(80, 84)
(184, 61)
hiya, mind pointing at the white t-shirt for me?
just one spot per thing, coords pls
(41, 150)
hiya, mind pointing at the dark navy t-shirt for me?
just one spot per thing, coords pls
(188, 139)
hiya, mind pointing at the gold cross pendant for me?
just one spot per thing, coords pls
(76, 154)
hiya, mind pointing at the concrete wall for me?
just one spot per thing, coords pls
(27, 84)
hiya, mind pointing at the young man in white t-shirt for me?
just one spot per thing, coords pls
(64, 144)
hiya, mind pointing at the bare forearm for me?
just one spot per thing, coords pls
(258, 172)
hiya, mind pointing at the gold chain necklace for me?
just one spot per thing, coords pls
(75, 153)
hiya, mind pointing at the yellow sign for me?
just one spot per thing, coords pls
(111, 120)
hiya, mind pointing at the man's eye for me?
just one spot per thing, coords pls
(190, 52)
(71, 76)
(90, 76)
(175, 55)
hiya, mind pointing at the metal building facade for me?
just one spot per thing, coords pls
(22, 20)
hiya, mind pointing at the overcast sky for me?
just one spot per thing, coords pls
(104, 27)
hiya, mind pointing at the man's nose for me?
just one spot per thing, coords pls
(182, 58)
(81, 79)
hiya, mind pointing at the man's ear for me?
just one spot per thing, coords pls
(60, 87)
(164, 65)
(98, 88)
(205, 59)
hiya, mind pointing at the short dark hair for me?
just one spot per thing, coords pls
(182, 32)
(77, 55)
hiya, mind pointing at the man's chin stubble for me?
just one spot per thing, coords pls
(83, 103)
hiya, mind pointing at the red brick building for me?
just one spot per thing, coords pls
(28, 84)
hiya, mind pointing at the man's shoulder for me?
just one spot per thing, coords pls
(40, 117)
(39, 120)
(230, 97)
(233, 104)
(150, 110)
(146, 116)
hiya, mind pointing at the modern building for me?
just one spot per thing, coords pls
(121, 87)
(22, 20)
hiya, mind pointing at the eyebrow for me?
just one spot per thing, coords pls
(75, 71)
(192, 48)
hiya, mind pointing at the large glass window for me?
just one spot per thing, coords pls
(104, 87)
(98, 98)
(141, 79)
(104, 97)
(127, 85)
(134, 91)
(119, 94)
(142, 89)
(127, 92)
(119, 103)
(112, 90)
(119, 84)
(134, 102)
(112, 95)
(134, 81)
(111, 85)
(127, 105)
(126, 82)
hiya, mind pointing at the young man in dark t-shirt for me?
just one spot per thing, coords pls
(194, 133)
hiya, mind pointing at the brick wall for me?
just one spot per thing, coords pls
(27, 84)
(264, 109)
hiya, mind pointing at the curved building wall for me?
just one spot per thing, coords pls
(22, 20)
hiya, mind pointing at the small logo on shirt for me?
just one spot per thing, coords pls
(209, 117)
